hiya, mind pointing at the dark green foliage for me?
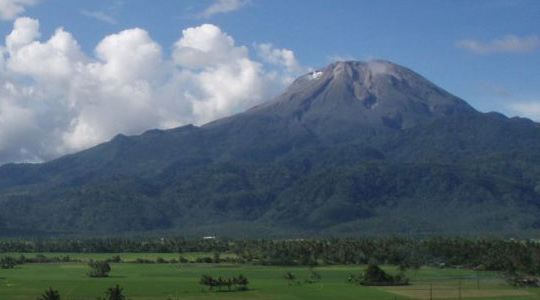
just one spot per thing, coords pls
(50, 294)
(208, 281)
(115, 259)
(488, 254)
(161, 260)
(374, 275)
(99, 269)
(333, 191)
(114, 293)
(239, 283)
(506, 256)
(520, 279)
(8, 262)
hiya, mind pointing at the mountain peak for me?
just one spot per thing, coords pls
(374, 93)
(360, 70)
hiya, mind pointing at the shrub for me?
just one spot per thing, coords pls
(8, 262)
(99, 269)
(374, 275)
(240, 283)
(161, 260)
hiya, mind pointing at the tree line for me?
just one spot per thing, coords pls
(512, 256)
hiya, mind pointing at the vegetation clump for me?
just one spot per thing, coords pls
(519, 279)
(239, 283)
(8, 262)
(374, 275)
(99, 269)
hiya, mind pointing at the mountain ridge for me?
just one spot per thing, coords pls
(352, 148)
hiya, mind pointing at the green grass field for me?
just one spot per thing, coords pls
(180, 281)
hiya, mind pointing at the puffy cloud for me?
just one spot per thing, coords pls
(17, 122)
(128, 56)
(280, 57)
(506, 44)
(9, 9)
(204, 46)
(25, 31)
(54, 59)
(54, 99)
(223, 6)
(115, 94)
(222, 76)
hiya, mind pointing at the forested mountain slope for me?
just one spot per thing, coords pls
(353, 148)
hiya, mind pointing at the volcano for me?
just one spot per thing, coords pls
(353, 148)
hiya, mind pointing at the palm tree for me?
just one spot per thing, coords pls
(50, 294)
(115, 293)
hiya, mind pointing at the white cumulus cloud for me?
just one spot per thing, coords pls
(505, 44)
(55, 99)
(280, 57)
(9, 9)
(223, 6)
(54, 59)
(25, 31)
(204, 46)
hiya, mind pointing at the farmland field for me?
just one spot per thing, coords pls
(181, 281)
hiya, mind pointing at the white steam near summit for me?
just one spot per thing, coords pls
(55, 99)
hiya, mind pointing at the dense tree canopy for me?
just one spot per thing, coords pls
(487, 254)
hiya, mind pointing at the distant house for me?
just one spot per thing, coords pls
(209, 238)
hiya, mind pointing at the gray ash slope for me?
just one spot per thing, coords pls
(353, 148)
(350, 95)
(365, 93)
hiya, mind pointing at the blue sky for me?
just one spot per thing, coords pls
(486, 52)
